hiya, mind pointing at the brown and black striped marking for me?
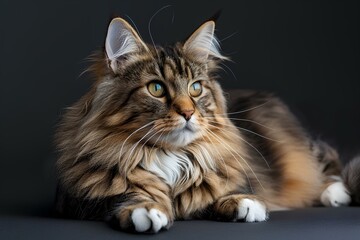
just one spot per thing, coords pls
(111, 140)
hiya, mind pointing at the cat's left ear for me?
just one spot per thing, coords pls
(121, 40)
(202, 44)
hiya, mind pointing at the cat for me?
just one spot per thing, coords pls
(153, 142)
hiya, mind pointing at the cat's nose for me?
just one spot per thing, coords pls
(184, 107)
(187, 114)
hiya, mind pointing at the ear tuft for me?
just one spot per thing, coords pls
(121, 39)
(203, 44)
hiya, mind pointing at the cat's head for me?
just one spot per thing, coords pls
(160, 95)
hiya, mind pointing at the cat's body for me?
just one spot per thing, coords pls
(152, 142)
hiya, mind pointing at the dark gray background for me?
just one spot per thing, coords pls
(305, 51)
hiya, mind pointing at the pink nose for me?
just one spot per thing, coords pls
(187, 114)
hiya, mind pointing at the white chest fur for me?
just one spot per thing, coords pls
(173, 167)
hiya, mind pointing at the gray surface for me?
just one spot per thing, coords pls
(305, 224)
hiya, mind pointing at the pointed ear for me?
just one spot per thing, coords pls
(203, 44)
(121, 39)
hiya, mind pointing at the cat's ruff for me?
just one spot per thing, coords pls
(172, 166)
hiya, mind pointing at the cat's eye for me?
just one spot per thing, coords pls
(195, 89)
(156, 89)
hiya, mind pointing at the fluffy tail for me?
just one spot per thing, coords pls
(351, 177)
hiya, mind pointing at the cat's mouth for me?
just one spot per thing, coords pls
(189, 127)
(182, 135)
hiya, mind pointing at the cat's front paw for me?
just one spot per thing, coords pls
(240, 207)
(251, 210)
(144, 218)
(335, 195)
(148, 220)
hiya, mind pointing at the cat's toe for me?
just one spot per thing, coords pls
(335, 195)
(152, 220)
(252, 210)
(158, 219)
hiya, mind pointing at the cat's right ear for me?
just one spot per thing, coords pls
(121, 39)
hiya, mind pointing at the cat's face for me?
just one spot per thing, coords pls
(161, 96)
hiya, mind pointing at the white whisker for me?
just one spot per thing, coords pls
(139, 129)
(221, 129)
(244, 120)
(247, 130)
(246, 110)
(149, 138)
(162, 132)
(231, 152)
(229, 36)
(223, 64)
(149, 27)
(137, 143)
(133, 23)
(221, 158)
(237, 153)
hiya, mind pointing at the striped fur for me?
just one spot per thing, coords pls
(131, 157)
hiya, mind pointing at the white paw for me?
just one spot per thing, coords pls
(335, 195)
(251, 211)
(145, 220)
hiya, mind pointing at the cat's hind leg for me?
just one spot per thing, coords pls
(334, 193)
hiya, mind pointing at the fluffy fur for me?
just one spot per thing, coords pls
(146, 157)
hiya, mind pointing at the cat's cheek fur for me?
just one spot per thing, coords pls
(335, 195)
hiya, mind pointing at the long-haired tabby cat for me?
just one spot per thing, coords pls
(153, 142)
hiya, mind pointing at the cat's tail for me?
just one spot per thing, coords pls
(351, 178)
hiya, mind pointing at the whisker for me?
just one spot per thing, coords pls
(221, 129)
(229, 36)
(223, 64)
(137, 143)
(133, 23)
(173, 17)
(139, 129)
(149, 138)
(245, 120)
(247, 130)
(246, 110)
(237, 153)
(258, 134)
(221, 158)
(151, 149)
(162, 132)
(153, 144)
(149, 27)
(237, 160)
(166, 137)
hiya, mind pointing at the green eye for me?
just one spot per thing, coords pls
(195, 89)
(156, 89)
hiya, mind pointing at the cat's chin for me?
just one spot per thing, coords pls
(181, 138)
